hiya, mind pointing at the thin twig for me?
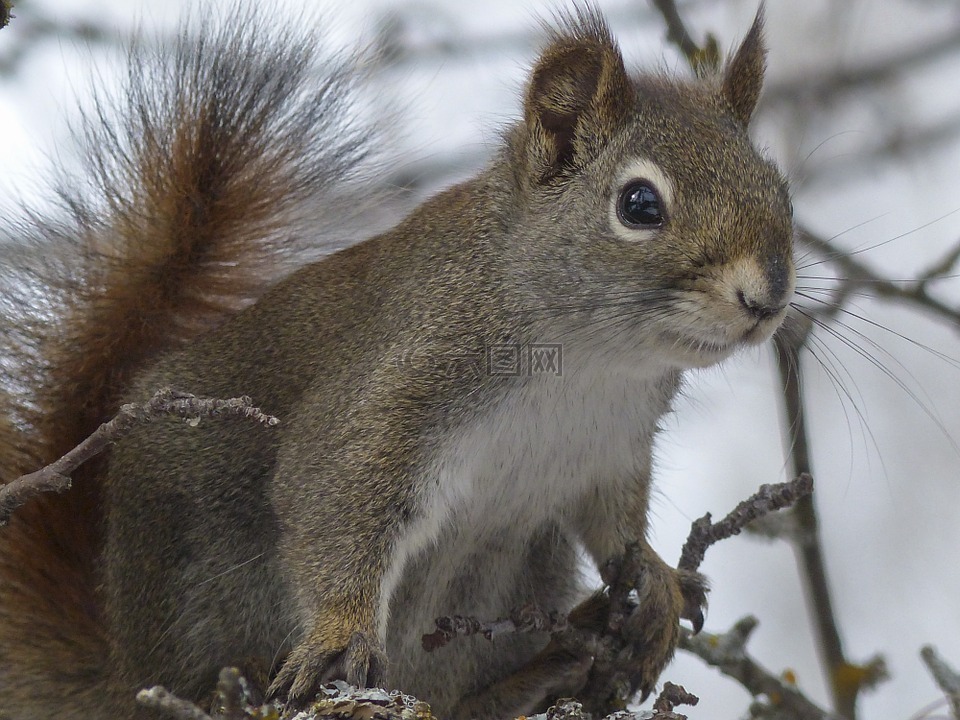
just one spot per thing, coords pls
(856, 274)
(945, 676)
(55, 477)
(768, 498)
(728, 653)
(522, 620)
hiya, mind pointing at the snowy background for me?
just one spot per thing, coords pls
(876, 164)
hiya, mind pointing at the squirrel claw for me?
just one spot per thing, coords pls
(693, 588)
(361, 663)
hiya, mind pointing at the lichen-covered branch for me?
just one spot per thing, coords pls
(522, 620)
(768, 498)
(727, 652)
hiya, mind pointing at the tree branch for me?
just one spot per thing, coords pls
(806, 540)
(856, 274)
(946, 677)
(701, 58)
(768, 498)
(161, 699)
(727, 652)
(606, 643)
(55, 477)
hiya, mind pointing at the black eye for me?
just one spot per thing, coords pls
(639, 205)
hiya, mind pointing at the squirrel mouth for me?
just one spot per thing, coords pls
(703, 352)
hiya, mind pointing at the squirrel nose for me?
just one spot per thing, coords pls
(766, 295)
(760, 309)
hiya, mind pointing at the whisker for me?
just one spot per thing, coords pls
(873, 360)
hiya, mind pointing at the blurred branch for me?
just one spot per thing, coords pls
(901, 144)
(823, 88)
(403, 37)
(727, 652)
(701, 58)
(946, 677)
(857, 274)
(33, 27)
(807, 538)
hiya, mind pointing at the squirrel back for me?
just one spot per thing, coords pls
(201, 186)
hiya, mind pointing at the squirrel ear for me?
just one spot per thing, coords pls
(743, 76)
(578, 95)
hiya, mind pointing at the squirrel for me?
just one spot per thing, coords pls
(626, 231)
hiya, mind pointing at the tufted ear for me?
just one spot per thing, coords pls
(579, 94)
(743, 76)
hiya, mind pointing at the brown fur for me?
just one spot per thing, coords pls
(226, 543)
(194, 213)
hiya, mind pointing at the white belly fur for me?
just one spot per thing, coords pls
(528, 462)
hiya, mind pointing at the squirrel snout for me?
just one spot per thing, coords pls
(765, 293)
(760, 308)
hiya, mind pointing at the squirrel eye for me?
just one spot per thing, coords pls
(639, 205)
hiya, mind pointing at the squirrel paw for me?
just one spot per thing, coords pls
(314, 662)
(653, 628)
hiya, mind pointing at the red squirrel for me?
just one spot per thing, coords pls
(626, 221)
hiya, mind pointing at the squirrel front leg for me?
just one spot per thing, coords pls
(609, 522)
(337, 577)
(360, 479)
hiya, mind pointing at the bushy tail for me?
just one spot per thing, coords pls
(226, 155)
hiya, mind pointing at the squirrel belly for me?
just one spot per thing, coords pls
(409, 477)
(499, 527)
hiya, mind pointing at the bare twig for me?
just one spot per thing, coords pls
(727, 653)
(856, 274)
(522, 620)
(55, 477)
(159, 698)
(768, 498)
(946, 677)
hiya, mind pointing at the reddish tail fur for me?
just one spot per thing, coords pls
(201, 181)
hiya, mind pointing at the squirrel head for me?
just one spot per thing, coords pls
(649, 190)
